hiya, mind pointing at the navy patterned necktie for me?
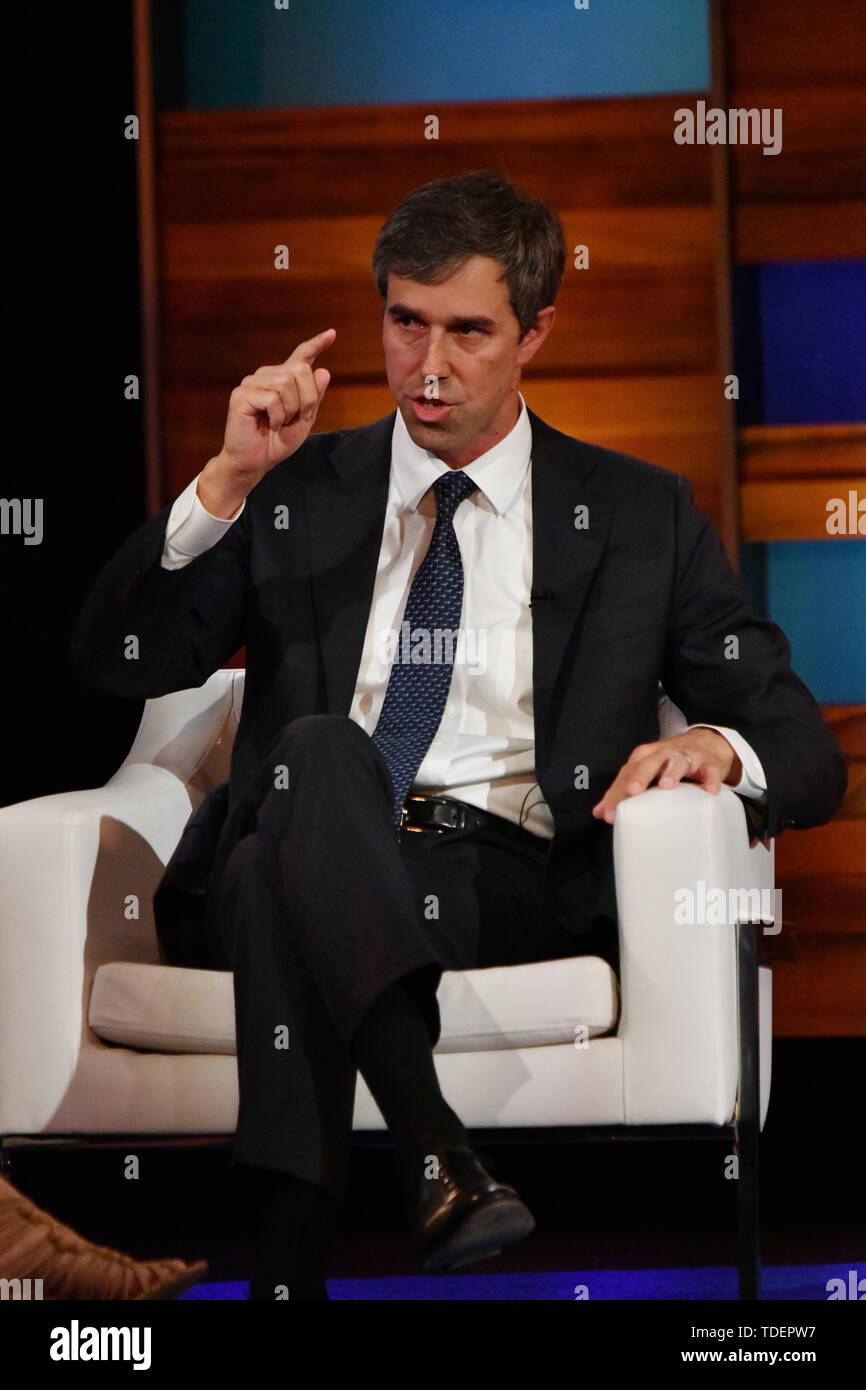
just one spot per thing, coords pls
(418, 687)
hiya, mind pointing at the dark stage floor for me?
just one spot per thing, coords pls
(615, 1212)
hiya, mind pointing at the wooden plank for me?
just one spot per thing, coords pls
(809, 62)
(789, 510)
(821, 159)
(801, 451)
(651, 406)
(357, 161)
(666, 420)
(814, 866)
(597, 408)
(817, 908)
(785, 230)
(725, 502)
(793, 41)
(342, 247)
(268, 134)
(623, 321)
(634, 309)
(822, 875)
(823, 993)
(848, 723)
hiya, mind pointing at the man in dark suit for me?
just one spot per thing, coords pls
(456, 621)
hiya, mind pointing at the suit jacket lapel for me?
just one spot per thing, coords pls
(345, 520)
(565, 558)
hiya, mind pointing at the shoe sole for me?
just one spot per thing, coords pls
(483, 1233)
(193, 1275)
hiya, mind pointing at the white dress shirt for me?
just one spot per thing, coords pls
(484, 749)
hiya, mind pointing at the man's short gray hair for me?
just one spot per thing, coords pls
(437, 227)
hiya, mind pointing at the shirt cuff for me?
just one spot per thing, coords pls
(192, 530)
(753, 783)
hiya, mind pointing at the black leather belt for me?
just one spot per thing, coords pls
(439, 814)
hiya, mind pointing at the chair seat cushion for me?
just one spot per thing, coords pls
(163, 1008)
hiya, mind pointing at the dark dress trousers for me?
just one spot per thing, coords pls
(311, 898)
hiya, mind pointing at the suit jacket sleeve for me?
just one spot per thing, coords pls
(146, 631)
(726, 665)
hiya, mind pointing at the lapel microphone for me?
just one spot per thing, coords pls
(545, 597)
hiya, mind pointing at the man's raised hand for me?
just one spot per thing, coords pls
(270, 415)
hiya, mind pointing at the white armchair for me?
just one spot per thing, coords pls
(99, 1038)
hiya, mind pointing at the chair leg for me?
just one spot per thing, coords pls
(747, 1122)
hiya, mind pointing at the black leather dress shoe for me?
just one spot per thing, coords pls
(464, 1214)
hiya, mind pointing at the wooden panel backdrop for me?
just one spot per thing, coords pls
(632, 360)
(642, 342)
(808, 203)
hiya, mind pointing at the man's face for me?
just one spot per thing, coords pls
(453, 356)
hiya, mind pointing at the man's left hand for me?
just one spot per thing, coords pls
(701, 756)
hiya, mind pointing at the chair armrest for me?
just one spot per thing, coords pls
(678, 1021)
(68, 865)
(191, 732)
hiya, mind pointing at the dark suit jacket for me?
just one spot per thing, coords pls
(643, 594)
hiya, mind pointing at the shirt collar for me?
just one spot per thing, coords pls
(499, 473)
